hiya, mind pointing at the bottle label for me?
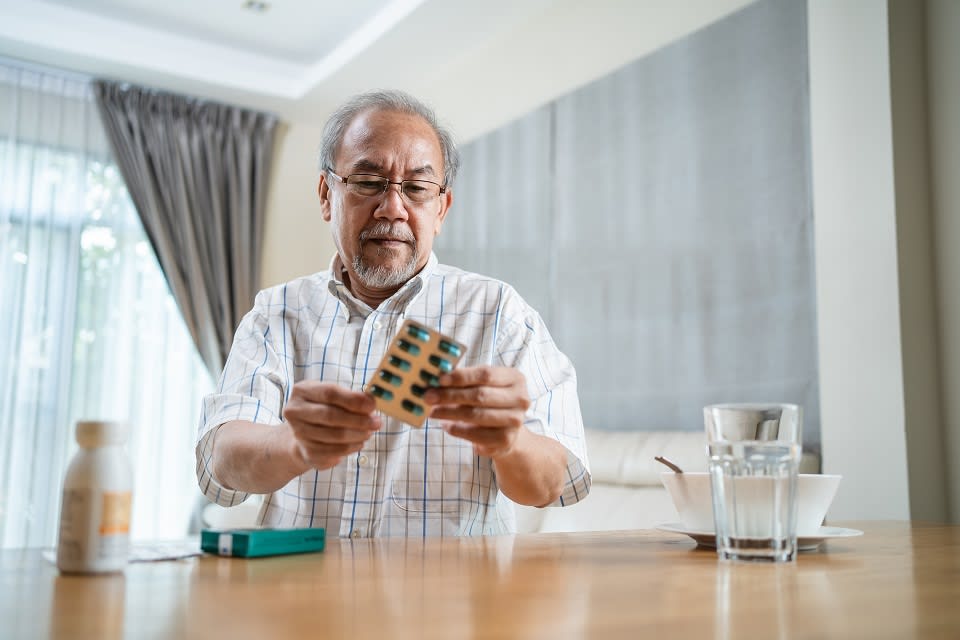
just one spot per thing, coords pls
(94, 530)
(115, 515)
(74, 519)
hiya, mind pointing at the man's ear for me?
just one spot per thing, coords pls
(323, 190)
(446, 201)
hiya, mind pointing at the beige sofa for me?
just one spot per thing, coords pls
(626, 492)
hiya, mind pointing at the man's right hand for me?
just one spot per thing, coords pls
(328, 422)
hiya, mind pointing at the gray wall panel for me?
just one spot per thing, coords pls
(660, 219)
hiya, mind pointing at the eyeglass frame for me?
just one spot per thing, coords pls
(345, 181)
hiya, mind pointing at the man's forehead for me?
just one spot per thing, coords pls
(371, 132)
(363, 164)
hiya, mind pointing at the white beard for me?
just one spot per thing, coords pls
(381, 277)
(378, 276)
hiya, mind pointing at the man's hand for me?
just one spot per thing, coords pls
(328, 422)
(485, 405)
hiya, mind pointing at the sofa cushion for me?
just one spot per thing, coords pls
(627, 457)
(608, 507)
(627, 492)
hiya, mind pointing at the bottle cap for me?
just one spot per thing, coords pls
(97, 433)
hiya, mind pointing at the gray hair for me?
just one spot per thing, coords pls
(388, 100)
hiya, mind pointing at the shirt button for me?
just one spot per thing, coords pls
(377, 325)
(362, 461)
(356, 533)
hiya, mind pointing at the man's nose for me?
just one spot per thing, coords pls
(392, 205)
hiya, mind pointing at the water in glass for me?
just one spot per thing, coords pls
(754, 499)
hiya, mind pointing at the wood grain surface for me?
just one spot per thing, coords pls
(899, 580)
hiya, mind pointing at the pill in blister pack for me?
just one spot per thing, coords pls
(415, 360)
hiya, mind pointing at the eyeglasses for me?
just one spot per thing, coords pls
(369, 185)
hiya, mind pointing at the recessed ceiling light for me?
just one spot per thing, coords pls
(258, 6)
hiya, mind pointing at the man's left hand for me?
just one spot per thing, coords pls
(485, 405)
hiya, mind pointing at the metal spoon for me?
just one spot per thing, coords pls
(666, 462)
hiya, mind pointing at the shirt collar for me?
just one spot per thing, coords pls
(397, 302)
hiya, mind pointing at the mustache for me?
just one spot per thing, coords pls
(386, 231)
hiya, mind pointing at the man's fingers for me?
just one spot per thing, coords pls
(329, 421)
(480, 416)
(482, 376)
(321, 415)
(321, 449)
(488, 387)
(333, 394)
(473, 433)
(487, 441)
(329, 435)
(493, 397)
(323, 456)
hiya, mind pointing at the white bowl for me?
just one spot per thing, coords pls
(690, 492)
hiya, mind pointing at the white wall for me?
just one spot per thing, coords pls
(885, 149)
(561, 49)
(296, 239)
(861, 381)
(943, 33)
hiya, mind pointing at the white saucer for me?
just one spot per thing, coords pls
(804, 543)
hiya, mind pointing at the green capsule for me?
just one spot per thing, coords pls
(449, 347)
(418, 333)
(429, 378)
(417, 390)
(380, 392)
(413, 407)
(409, 347)
(399, 363)
(440, 363)
(392, 378)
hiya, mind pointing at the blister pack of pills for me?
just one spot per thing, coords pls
(416, 358)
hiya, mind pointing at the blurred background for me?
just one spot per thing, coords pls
(707, 200)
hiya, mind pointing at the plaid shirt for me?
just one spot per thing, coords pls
(405, 481)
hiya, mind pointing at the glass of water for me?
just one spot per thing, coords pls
(754, 457)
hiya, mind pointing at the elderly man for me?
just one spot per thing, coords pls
(290, 419)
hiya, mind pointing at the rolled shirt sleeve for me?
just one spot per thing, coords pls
(251, 388)
(552, 386)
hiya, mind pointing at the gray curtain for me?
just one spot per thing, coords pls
(198, 174)
(660, 219)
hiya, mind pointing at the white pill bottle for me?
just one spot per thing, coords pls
(97, 499)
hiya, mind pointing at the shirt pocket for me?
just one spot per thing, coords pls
(444, 477)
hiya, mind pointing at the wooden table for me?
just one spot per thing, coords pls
(897, 581)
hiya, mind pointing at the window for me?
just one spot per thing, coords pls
(88, 327)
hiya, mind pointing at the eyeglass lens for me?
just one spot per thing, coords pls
(418, 191)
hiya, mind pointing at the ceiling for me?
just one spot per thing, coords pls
(479, 62)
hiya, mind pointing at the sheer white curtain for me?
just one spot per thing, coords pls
(88, 328)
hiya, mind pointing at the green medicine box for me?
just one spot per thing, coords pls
(251, 543)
